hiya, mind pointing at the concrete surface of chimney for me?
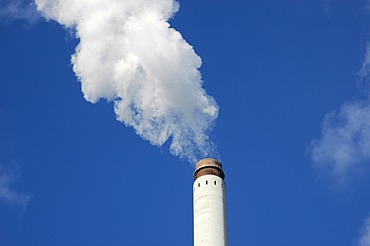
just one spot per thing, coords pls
(209, 198)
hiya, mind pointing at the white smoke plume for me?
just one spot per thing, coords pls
(129, 54)
(344, 145)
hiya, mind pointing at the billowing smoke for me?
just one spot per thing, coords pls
(128, 54)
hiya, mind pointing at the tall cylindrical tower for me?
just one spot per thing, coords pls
(209, 198)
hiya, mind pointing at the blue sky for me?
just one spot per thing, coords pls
(290, 79)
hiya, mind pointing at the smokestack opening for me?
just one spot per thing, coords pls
(209, 166)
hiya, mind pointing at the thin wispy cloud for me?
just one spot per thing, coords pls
(365, 71)
(8, 195)
(364, 239)
(344, 145)
(25, 10)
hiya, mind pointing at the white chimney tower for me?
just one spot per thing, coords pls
(209, 194)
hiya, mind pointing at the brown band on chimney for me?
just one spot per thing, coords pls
(209, 166)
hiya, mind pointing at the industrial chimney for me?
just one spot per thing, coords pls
(209, 194)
